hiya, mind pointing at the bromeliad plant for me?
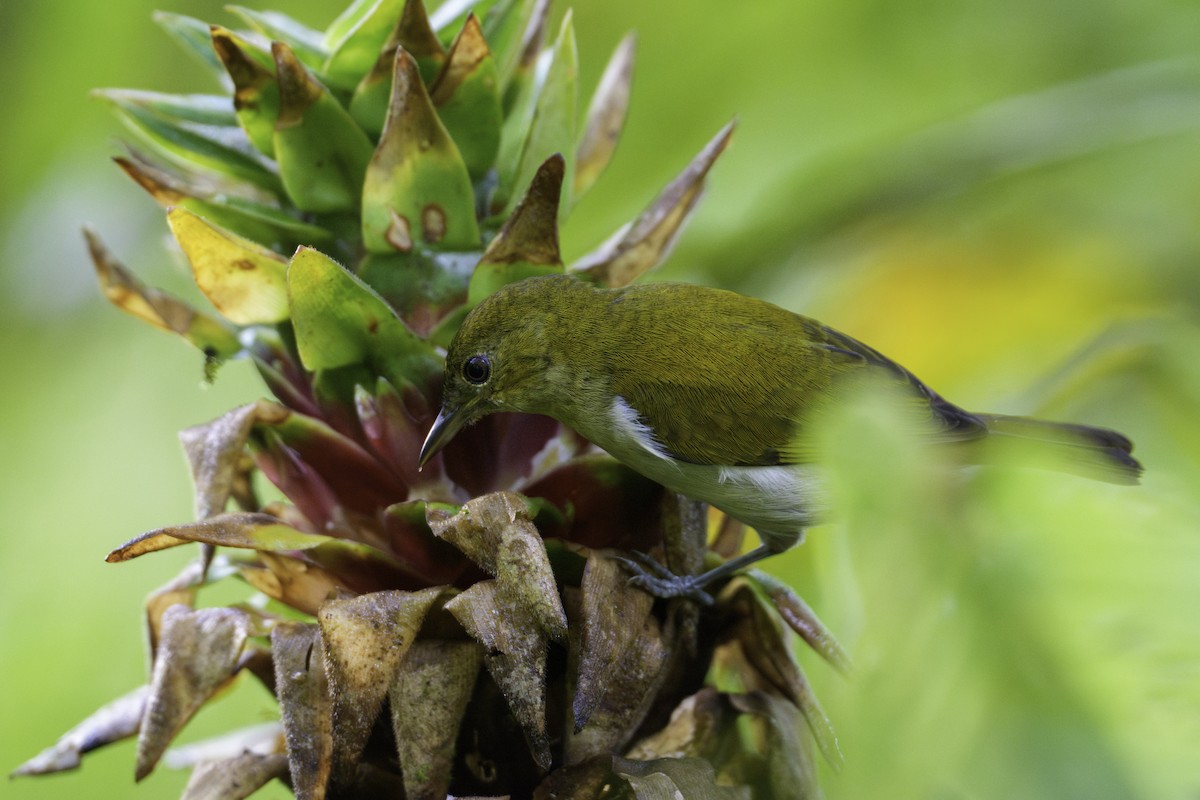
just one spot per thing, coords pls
(462, 629)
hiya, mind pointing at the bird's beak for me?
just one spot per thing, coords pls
(448, 423)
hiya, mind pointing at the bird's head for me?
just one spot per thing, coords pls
(504, 356)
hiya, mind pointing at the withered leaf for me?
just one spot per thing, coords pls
(803, 620)
(697, 725)
(496, 532)
(296, 583)
(789, 757)
(359, 567)
(767, 651)
(605, 117)
(112, 722)
(304, 702)
(179, 591)
(234, 778)
(262, 740)
(251, 531)
(644, 243)
(199, 651)
(159, 308)
(527, 245)
(586, 781)
(515, 655)
(622, 662)
(214, 451)
(673, 778)
(366, 639)
(427, 699)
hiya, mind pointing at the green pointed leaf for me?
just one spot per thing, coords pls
(527, 245)
(322, 153)
(605, 118)
(256, 92)
(341, 321)
(306, 43)
(218, 149)
(160, 309)
(412, 33)
(245, 282)
(642, 244)
(519, 102)
(193, 35)
(422, 286)
(467, 96)
(203, 109)
(552, 126)
(265, 224)
(259, 223)
(417, 187)
(356, 38)
(255, 221)
(503, 26)
(415, 34)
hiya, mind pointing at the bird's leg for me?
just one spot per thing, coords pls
(659, 581)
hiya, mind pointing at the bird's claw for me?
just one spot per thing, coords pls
(653, 578)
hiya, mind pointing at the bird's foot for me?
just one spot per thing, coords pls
(652, 577)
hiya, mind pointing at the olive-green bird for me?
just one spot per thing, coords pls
(707, 392)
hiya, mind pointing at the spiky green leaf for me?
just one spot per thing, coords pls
(356, 38)
(322, 153)
(552, 124)
(417, 187)
(527, 245)
(306, 43)
(255, 90)
(340, 321)
(218, 149)
(193, 35)
(467, 96)
(412, 33)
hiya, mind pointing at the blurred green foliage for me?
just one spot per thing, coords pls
(1001, 195)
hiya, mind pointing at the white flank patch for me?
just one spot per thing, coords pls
(630, 428)
(778, 498)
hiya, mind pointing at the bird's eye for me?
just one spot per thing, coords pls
(477, 369)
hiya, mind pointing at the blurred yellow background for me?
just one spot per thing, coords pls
(1003, 196)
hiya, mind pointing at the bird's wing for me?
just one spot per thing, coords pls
(753, 405)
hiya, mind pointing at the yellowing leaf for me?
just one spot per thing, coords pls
(246, 282)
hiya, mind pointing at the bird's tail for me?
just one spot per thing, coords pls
(1081, 449)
